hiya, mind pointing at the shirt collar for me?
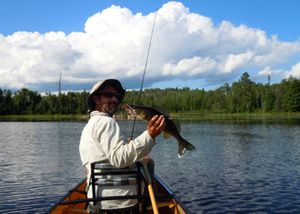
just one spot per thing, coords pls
(94, 113)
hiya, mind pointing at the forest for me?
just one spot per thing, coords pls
(242, 96)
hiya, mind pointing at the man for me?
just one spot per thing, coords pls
(101, 139)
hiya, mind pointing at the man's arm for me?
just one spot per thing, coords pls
(122, 154)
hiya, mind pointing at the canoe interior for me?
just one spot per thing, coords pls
(78, 192)
(166, 201)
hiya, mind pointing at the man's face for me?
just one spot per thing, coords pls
(107, 100)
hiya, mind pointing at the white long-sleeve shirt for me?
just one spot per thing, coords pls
(101, 140)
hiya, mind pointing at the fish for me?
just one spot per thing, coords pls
(146, 113)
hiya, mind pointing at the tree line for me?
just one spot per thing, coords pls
(243, 95)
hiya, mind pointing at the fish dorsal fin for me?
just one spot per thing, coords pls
(161, 110)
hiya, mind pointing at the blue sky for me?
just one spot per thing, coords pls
(197, 44)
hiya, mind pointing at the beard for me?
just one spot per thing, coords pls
(109, 108)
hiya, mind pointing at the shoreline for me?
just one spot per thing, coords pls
(181, 116)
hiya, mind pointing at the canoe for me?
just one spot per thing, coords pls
(75, 201)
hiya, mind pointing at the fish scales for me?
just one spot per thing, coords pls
(146, 113)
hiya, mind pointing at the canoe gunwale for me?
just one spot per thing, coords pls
(170, 192)
(65, 196)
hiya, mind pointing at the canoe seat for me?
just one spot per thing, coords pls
(105, 176)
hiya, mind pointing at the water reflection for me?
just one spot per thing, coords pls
(38, 162)
(236, 167)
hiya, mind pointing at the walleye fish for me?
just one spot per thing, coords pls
(146, 113)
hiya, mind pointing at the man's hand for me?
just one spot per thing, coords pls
(156, 125)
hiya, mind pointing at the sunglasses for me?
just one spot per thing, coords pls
(111, 94)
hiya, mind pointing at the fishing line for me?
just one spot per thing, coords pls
(144, 72)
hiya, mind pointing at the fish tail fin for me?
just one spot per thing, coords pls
(183, 146)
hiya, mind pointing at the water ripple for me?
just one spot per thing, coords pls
(236, 168)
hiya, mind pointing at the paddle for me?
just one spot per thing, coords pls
(150, 189)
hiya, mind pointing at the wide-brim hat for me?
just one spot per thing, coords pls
(102, 84)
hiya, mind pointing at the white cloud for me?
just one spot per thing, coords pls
(233, 62)
(190, 67)
(267, 71)
(114, 44)
(294, 72)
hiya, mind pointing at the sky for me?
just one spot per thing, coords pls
(196, 43)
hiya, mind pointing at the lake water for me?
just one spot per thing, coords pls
(237, 167)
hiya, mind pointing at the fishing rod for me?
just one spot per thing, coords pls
(146, 171)
(144, 72)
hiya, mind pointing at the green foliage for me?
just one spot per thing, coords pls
(26, 102)
(243, 96)
(6, 103)
(292, 95)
